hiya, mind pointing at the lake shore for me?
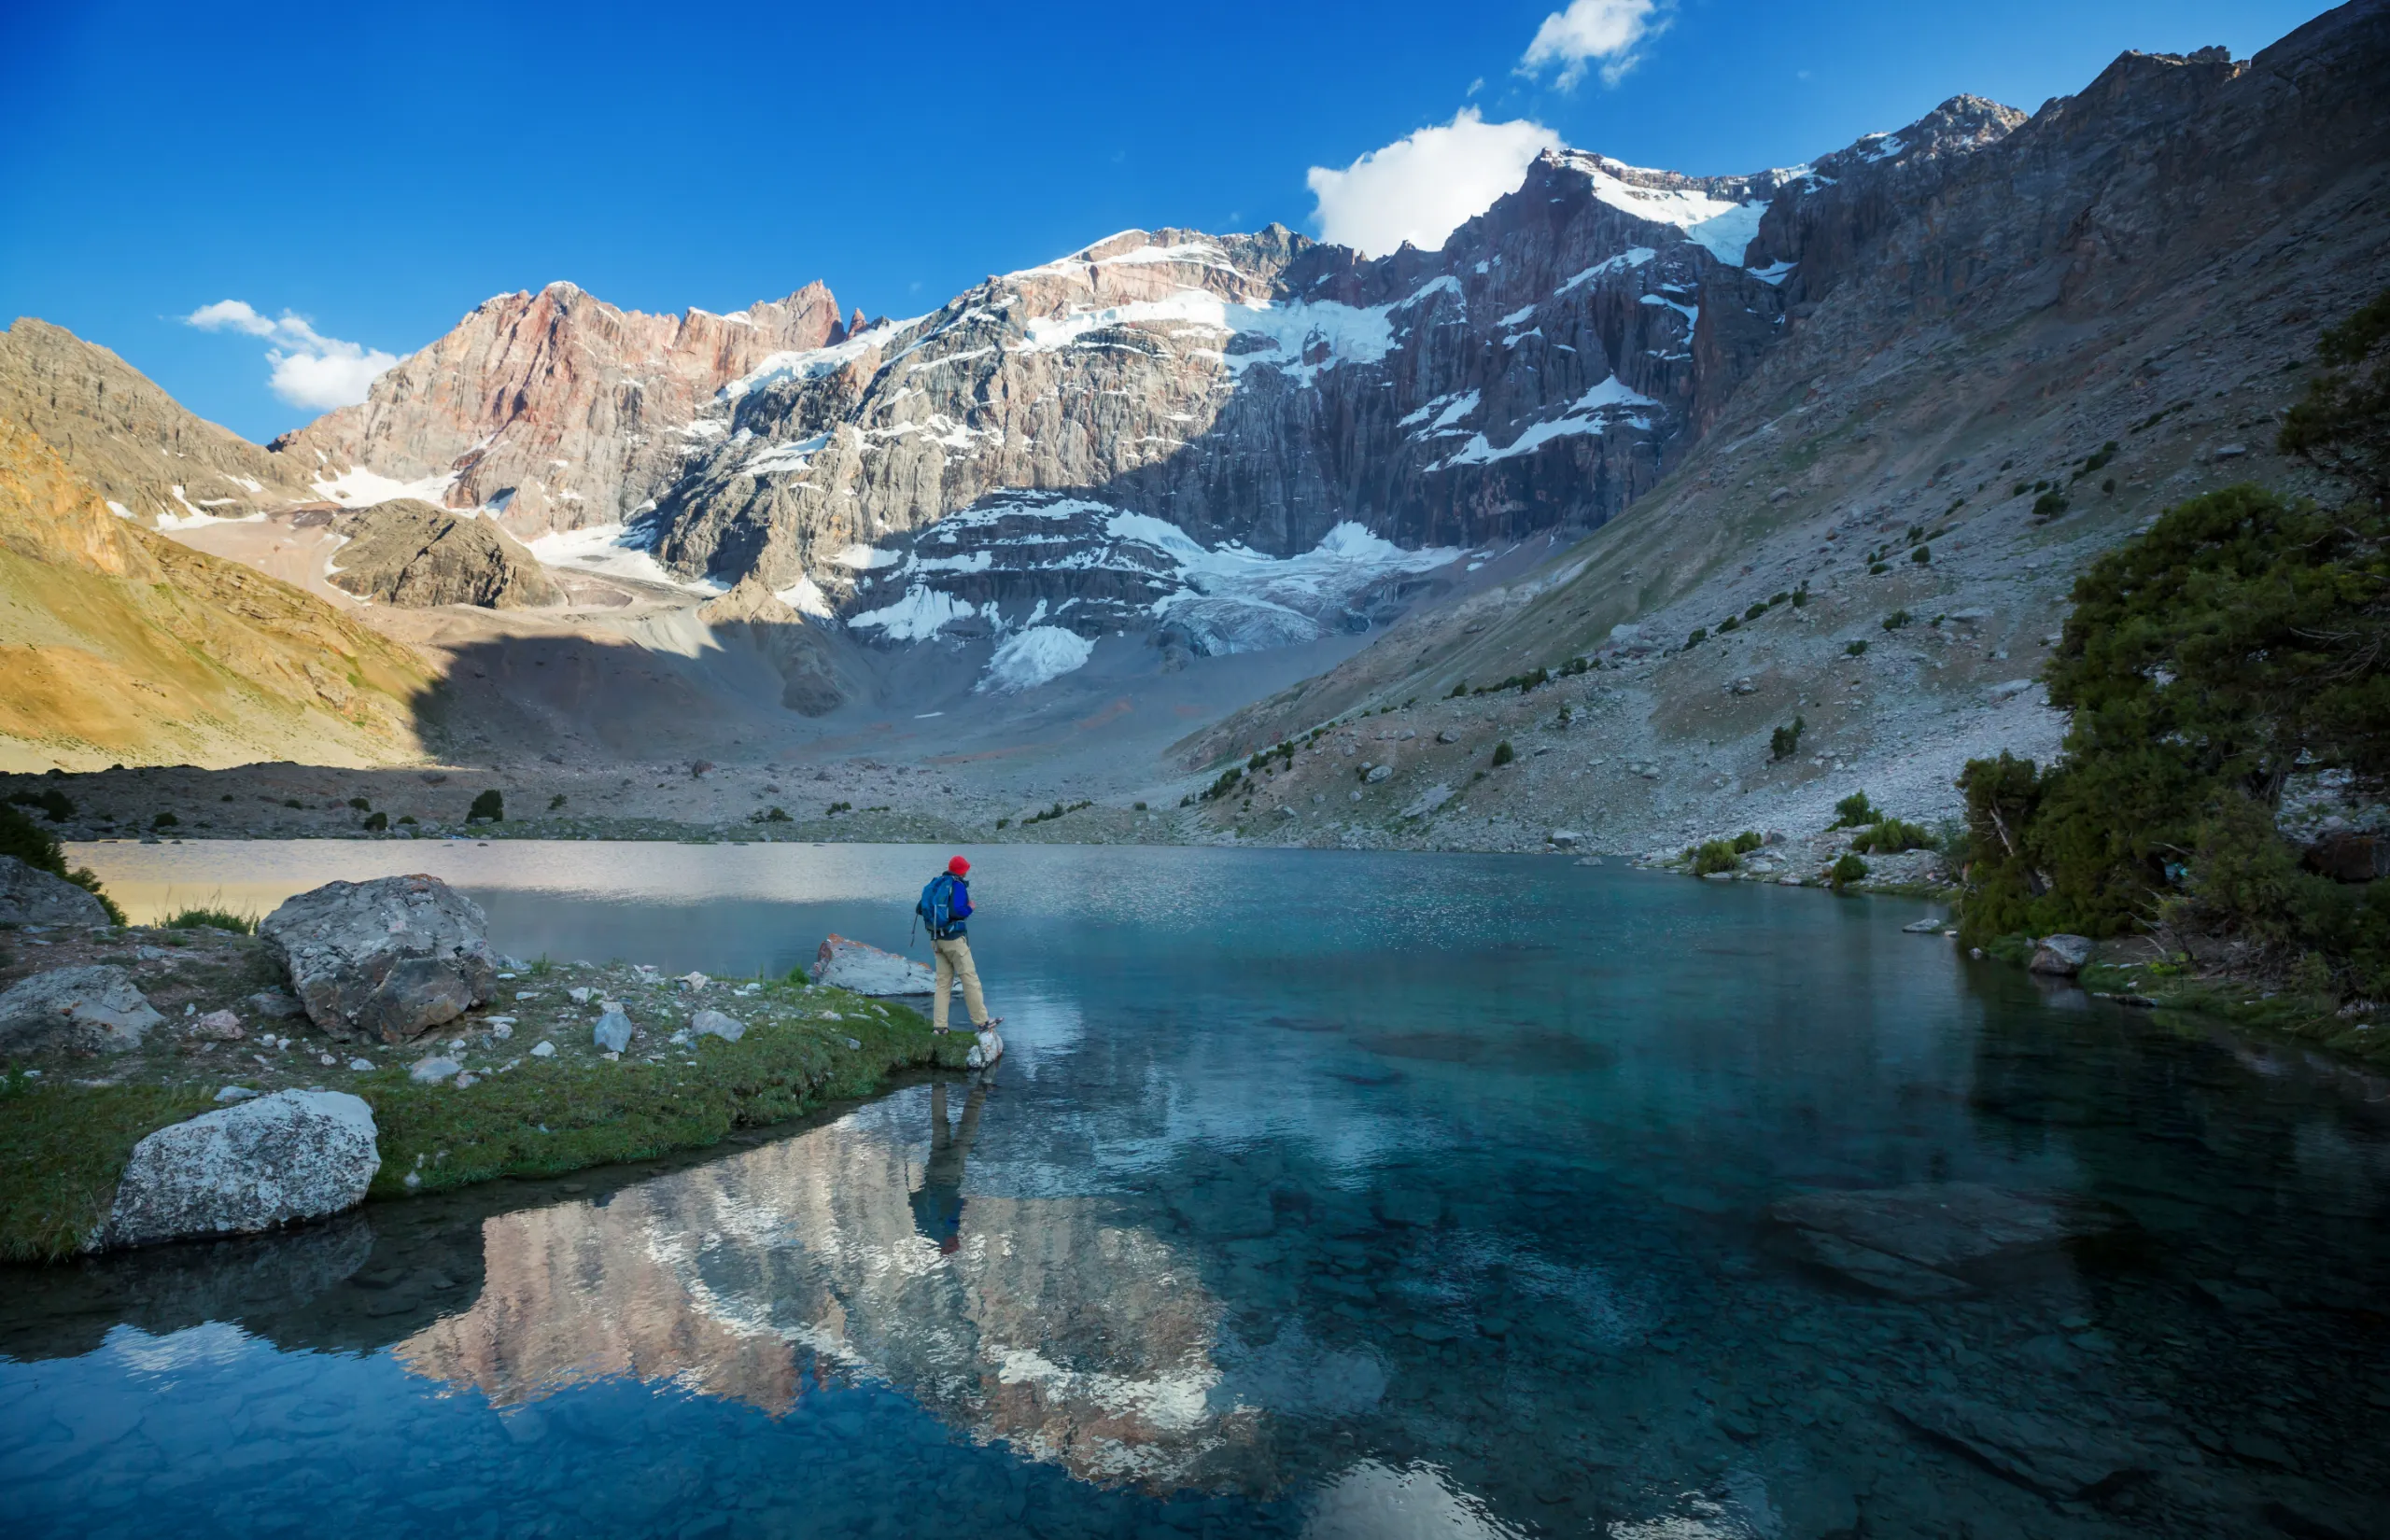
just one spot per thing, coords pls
(526, 1090)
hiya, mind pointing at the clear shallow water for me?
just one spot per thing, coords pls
(1319, 1194)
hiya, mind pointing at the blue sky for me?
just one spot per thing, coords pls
(375, 171)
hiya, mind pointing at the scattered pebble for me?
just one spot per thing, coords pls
(360, 1065)
(544, 1050)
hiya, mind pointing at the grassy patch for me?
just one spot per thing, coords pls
(562, 1115)
(61, 1149)
(64, 1144)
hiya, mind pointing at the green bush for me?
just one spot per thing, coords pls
(1922, 555)
(360, 805)
(1756, 611)
(376, 823)
(165, 821)
(1503, 754)
(2049, 504)
(1889, 837)
(489, 807)
(556, 802)
(50, 799)
(1856, 648)
(1897, 619)
(1729, 623)
(1222, 787)
(1846, 871)
(1715, 855)
(1785, 742)
(2236, 641)
(1747, 841)
(1853, 811)
(29, 842)
(1700, 635)
(211, 916)
(770, 814)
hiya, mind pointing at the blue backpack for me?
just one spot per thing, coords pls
(937, 909)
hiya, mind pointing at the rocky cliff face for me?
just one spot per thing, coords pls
(130, 440)
(410, 554)
(556, 409)
(1993, 371)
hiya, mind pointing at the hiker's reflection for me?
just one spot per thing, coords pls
(937, 1203)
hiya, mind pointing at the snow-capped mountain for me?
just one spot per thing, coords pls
(1219, 442)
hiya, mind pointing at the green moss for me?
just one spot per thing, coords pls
(61, 1149)
(63, 1146)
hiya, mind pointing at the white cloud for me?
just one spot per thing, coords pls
(1423, 186)
(1610, 32)
(310, 368)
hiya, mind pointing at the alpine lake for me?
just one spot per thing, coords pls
(1318, 1194)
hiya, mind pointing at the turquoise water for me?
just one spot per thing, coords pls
(1319, 1194)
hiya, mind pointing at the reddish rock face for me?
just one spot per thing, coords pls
(556, 407)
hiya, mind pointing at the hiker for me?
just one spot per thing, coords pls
(944, 906)
(937, 1202)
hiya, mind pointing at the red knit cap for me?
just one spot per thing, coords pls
(958, 866)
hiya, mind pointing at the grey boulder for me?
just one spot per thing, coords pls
(31, 896)
(613, 1030)
(715, 1024)
(985, 1048)
(95, 1009)
(2063, 956)
(253, 1165)
(384, 959)
(867, 970)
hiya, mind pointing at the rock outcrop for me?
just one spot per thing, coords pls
(555, 407)
(29, 896)
(291, 1155)
(410, 554)
(94, 1009)
(813, 684)
(867, 970)
(386, 960)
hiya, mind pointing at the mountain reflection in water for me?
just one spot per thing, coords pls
(1042, 1322)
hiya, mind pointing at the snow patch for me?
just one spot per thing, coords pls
(361, 488)
(805, 597)
(920, 614)
(1631, 257)
(614, 550)
(814, 363)
(1588, 413)
(1720, 225)
(1032, 657)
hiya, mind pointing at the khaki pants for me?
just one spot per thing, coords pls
(953, 962)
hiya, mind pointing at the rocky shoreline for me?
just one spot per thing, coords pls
(165, 1083)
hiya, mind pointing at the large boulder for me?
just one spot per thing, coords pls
(867, 970)
(2061, 957)
(94, 1009)
(31, 896)
(386, 960)
(294, 1155)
